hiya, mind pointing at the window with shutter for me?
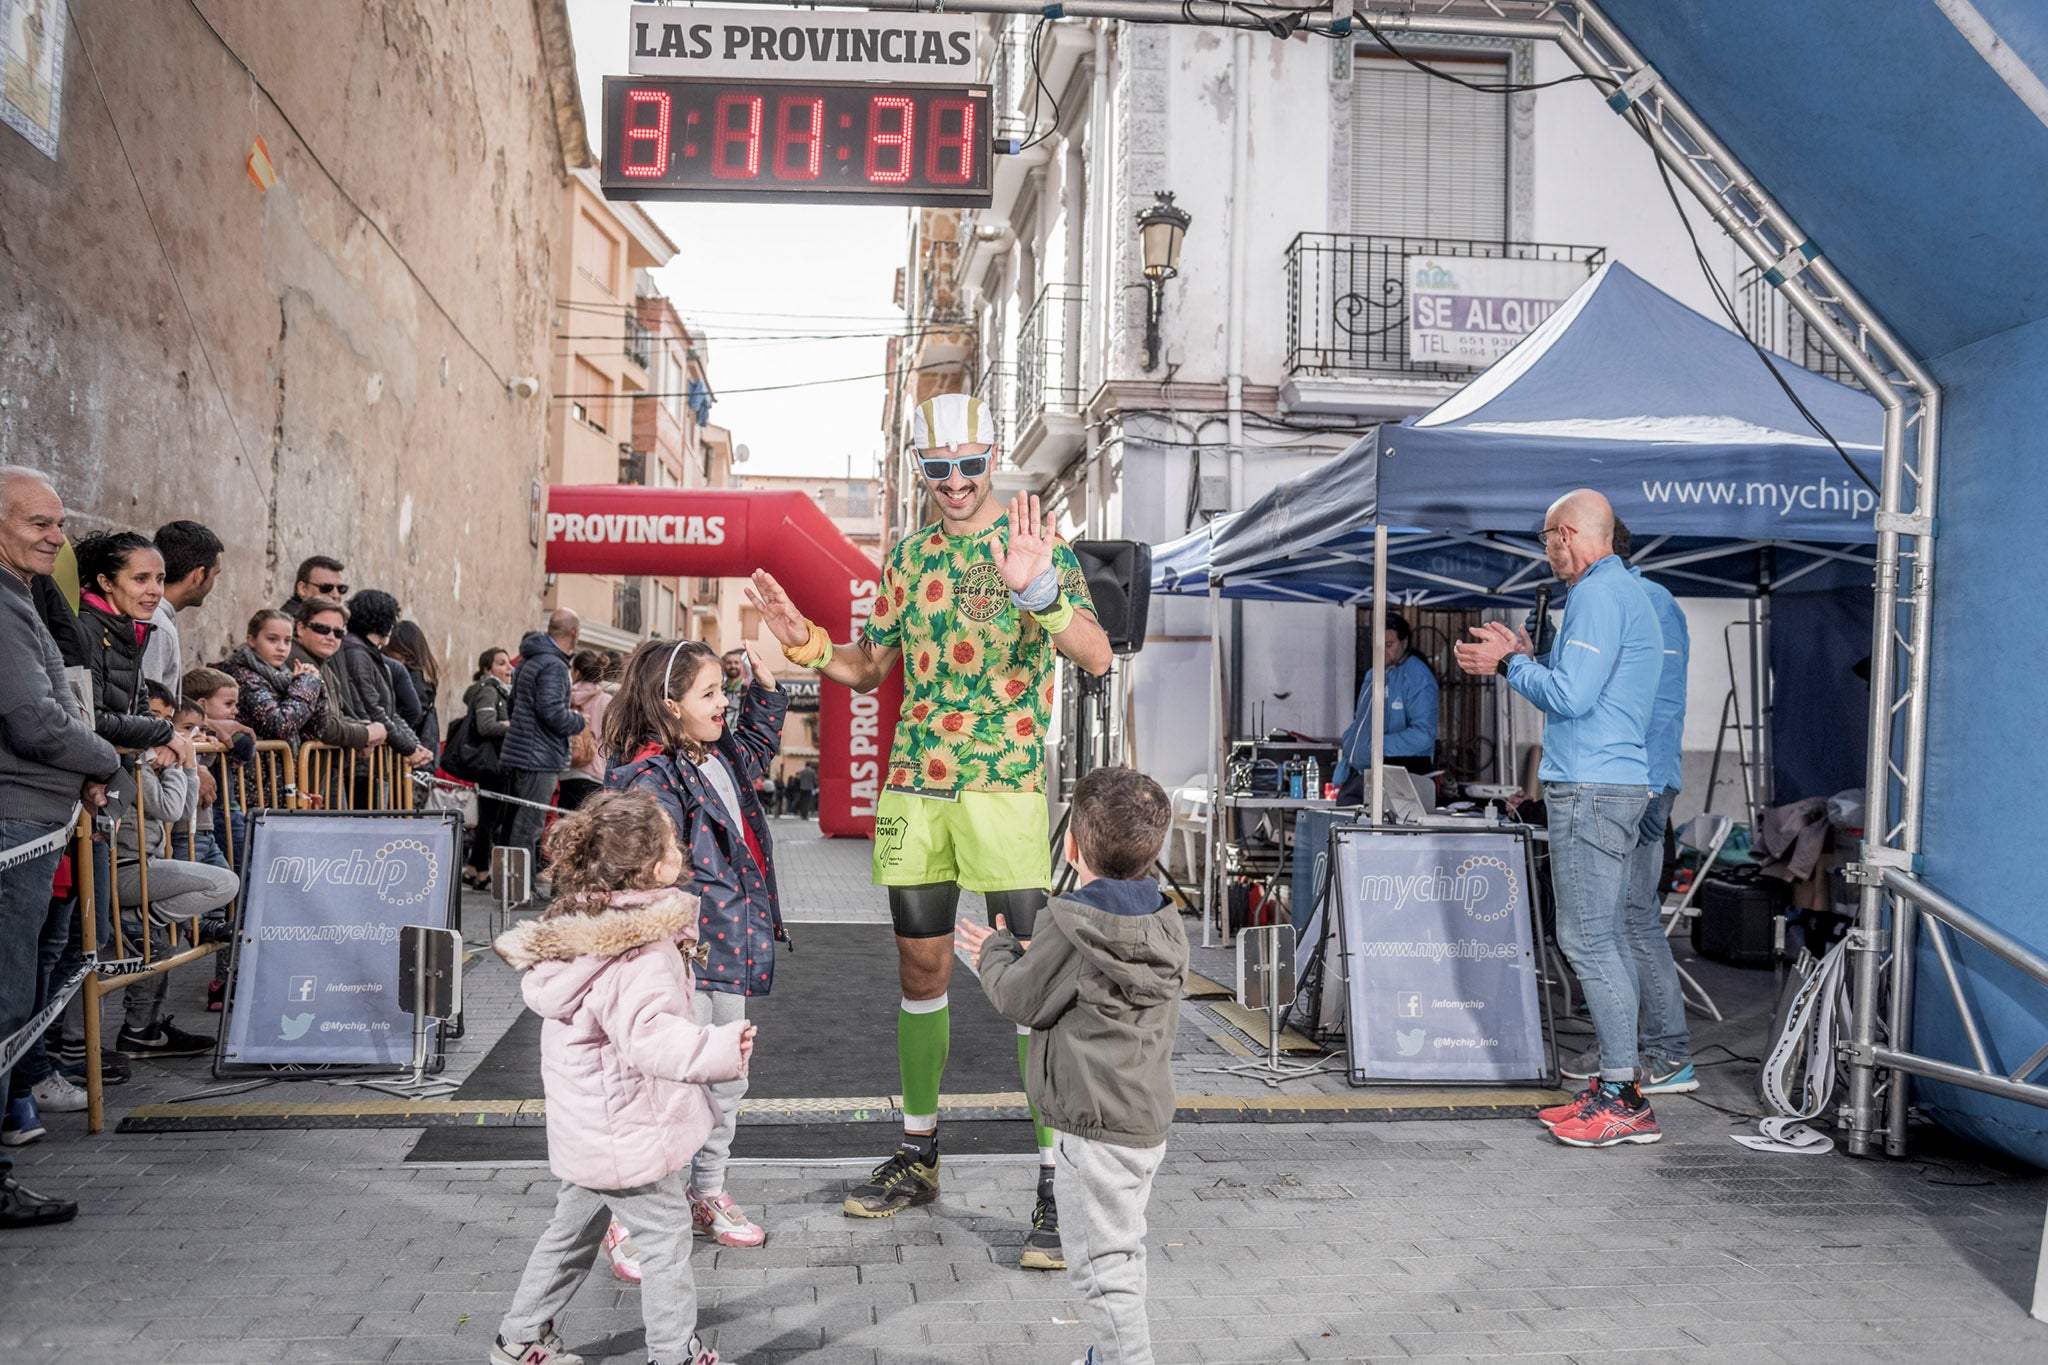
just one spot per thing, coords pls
(1428, 158)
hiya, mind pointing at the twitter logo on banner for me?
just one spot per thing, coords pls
(1408, 1040)
(295, 1026)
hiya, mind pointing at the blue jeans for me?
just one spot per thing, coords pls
(1593, 831)
(35, 1065)
(1665, 1036)
(24, 908)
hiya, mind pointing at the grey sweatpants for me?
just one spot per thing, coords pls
(1102, 1190)
(707, 1170)
(658, 1218)
(179, 891)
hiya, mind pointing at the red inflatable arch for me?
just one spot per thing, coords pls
(729, 533)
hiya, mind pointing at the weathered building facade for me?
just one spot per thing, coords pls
(285, 274)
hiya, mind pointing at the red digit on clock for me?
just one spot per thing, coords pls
(736, 120)
(799, 127)
(646, 137)
(961, 142)
(897, 140)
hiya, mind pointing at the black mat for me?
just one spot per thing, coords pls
(828, 1030)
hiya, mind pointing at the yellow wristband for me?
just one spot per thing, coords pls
(1055, 618)
(813, 652)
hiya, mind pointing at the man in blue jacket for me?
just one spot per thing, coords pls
(1665, 1051)
(536, 748)
(1410, 721)
(1597, 694)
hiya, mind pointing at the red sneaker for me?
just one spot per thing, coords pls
(1558, 1113)
(1607, 1120)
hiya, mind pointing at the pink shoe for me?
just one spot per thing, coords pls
(618, 1249)
(716, 1216)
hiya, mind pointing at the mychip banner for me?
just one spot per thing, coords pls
(316, 953)
(1440, 958)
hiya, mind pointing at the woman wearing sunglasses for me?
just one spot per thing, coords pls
(974, 606)
(316, 640)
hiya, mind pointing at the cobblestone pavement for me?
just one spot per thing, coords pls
(1435, 1240)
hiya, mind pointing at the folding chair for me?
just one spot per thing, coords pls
(1704, 834)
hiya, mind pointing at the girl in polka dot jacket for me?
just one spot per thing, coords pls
(668, 736)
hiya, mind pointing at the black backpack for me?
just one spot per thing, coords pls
(468, 757)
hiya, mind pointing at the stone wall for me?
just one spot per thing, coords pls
(307, 393)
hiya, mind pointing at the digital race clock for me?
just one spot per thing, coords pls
(780, 140)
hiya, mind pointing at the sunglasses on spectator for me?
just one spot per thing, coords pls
(939, 468)
(335, 632)
(330, 589)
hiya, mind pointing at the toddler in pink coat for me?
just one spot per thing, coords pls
(625, 1067)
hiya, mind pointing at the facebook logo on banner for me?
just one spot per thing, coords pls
(303, 988)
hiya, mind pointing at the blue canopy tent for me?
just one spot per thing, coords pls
(1727, 488)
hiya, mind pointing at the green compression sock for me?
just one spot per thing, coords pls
(1024, 1066)
(923, 1033)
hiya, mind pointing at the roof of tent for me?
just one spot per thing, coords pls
(1724, 484)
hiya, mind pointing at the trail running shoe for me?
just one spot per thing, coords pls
(1608, 1120)
(1558, 1113)
(717, 1217)
(1661, 1077)
(1042, 1246)
(902, 1182)
(547, 1349)
(621, 1253)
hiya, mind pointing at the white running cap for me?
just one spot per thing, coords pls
(952, 420)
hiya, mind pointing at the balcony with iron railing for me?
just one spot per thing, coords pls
(1774, 324)
(1046, 397)
(626, 607)
(1347, 301)
(639, 341)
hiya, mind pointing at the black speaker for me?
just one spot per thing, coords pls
(1120, 584)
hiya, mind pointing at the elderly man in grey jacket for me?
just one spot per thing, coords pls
(50, 762)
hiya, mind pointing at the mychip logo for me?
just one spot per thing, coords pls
(1484, 887)
(402, 872)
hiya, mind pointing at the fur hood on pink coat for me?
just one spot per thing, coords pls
(622, 1059)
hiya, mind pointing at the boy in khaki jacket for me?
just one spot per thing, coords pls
(1100, 991)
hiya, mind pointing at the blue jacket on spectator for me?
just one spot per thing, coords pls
(542, 719)
(1667, 715)
(1601, 683)
(739, 916)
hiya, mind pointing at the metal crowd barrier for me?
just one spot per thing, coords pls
(334, 778)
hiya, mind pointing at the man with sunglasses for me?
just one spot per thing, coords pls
(318, 580)
(974, 606)
(1597, 693)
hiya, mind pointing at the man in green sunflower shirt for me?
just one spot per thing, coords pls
(974, 607)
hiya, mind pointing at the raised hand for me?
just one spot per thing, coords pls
(1029, 552)
(763, 674)
(778, 613)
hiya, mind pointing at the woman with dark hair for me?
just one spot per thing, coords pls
(371, 616)
(408, 647)
(488, 704)
(589, 694)
(120, 581)
(280, 698)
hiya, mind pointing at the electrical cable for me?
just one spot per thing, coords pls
(1038, 81)
(192, 322)
(342, 190)
(1483, 87)
(1642, 122)
(758, 388)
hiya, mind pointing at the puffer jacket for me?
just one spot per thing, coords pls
(739, 915)
(542, 719)
(371, 679)
(275, 702)
(622, 1061)
(110, 648)
(489, 704)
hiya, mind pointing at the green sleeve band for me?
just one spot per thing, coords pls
(1057, 617)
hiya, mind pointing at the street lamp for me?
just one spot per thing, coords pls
(1160, 229)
